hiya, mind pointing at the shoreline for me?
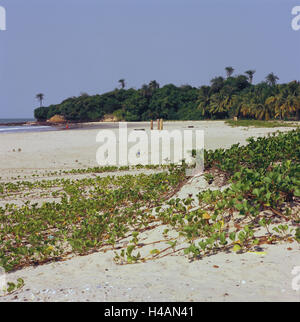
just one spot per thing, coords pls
(78, 123)
(76, 148)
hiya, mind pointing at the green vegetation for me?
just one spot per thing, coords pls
(265, 187)
(12, 287)
(259, 123)
(234, 96)
(19, 185)
(92, 214)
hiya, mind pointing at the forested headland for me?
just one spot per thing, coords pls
(225, 97)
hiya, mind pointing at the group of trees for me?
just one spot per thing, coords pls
(224, 98)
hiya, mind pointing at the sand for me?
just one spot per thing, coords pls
(265, 276)
(223, 277)
(69, 149)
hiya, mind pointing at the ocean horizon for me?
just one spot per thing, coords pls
(16, 120)
(21, 128)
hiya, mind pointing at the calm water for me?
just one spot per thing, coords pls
(22, 128)
(15, 120)
(42, 128)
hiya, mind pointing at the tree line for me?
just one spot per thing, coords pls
(225, 97)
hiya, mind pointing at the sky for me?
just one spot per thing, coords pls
(65, 47)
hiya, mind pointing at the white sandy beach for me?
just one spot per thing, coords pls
(69, 149)
(262, 276)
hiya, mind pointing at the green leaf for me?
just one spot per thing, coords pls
(256, 192)
(236, 248)
(202, 245)
(135, 234)
(172, 244)
(297, 192)
(223, 238)
(232, 236)
(154, 251)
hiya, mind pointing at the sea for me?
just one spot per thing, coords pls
(21, 128)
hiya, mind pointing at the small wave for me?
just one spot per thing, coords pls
(23, 128)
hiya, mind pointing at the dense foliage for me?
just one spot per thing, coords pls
(233, 96)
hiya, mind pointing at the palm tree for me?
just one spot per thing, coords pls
(241, 105)
(40, 97)
(298, 110)
(146, 91)
(271, 79)
(284, 104)
(289, 105)
(250, 74)
(294, 89)
(216, 84)
(229, 71)
(263, 112)
(254, 106)
(153, 85)
(274, 103)
(247, 109)
(259, 109)
(203, 99)
(122, 83)
(220, 104)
